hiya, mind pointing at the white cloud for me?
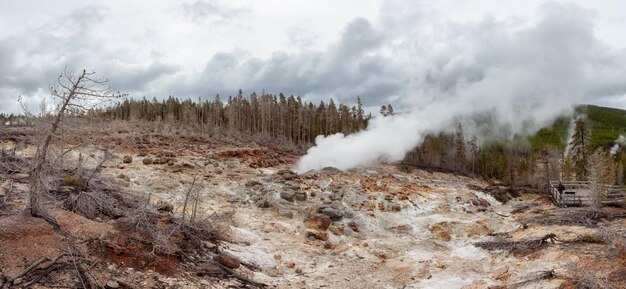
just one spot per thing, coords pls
(406, 52)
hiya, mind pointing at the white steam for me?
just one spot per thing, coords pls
(497, 78)
(619, 142)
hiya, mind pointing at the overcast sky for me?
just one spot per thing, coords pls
(402, 52)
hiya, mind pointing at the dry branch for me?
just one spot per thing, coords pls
(7, 194)
(521, 246)
(46, 269)
(538, 276)
(240, 277)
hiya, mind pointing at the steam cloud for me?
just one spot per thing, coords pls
(513, 81)
(619, 142)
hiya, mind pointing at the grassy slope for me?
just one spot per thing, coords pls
(606, 125)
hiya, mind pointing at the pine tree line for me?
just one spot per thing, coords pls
(272, 116)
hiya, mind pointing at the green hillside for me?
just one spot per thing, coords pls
(606, 125)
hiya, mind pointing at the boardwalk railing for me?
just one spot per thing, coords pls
(579, 194)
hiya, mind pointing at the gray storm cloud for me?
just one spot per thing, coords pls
(519, 79)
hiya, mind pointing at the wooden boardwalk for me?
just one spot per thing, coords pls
(579, 194)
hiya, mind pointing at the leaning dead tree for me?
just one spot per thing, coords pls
(76, 93)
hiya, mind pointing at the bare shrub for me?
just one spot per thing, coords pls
(587, 279)
(76, 93)
(599, 176)
(518, 246)
(572, 217)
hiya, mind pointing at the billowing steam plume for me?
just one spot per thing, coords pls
(619, 142)
(497, 84)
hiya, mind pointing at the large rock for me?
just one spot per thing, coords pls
(287, 175)
(318, 222)
(332, 213)
(288, 195)
(227, 260)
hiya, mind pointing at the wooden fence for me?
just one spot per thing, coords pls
(580, 194)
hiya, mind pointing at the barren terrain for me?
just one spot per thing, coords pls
(378, 227)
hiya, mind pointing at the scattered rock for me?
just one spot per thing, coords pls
(332, 213)
(318, 222)
(503, 194)
(227, 260)
(147, 161)
(253, 183)
(480, 202)
(285, 213)
(275, 272)
(112, 284)
(288, 195)
(333, 170)
(301, 196)
(315, 234)
(287, 175)
(127, 159)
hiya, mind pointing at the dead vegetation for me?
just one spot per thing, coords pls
(517, 246)
(573, 217)
(534, 277)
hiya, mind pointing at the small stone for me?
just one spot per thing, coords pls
(205, 283)
(228, 260)
(291, 265)
(127, 159)
(147, 161)
(272, 272)
(329, 245)
(285, 213)
(318, 222)
(333, 213)
(315, 234)
(278, 257)
(112, 284)
(288, 195)
(301, 196)
(299, 271)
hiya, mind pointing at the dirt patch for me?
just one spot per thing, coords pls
(25, 239)
(259, 158)
(128, 246)
(82, 227)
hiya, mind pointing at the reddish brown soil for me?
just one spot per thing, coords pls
(25, 239)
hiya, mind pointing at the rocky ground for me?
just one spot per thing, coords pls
(377, 227)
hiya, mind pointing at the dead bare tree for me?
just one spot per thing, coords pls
(599, 176)
(76, 93)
